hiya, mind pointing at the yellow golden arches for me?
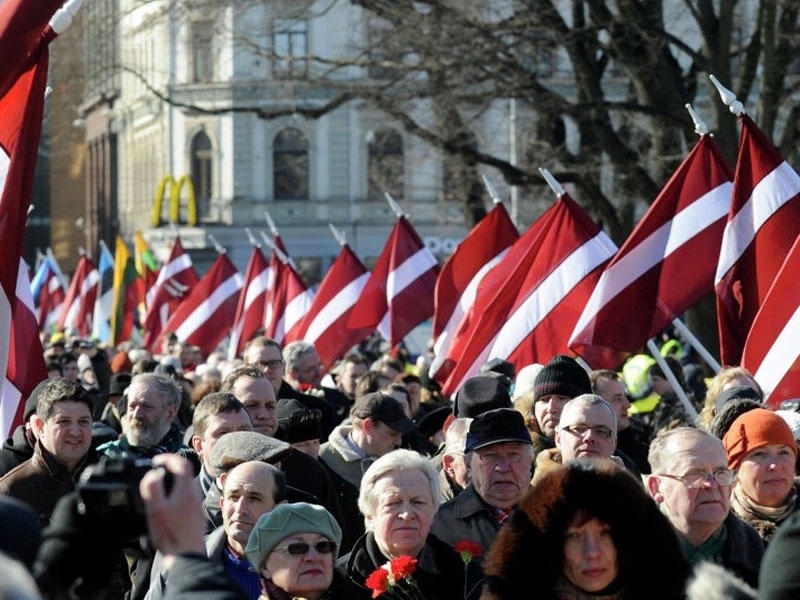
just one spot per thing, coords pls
(175, 188)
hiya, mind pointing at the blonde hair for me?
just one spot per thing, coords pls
(716, 386)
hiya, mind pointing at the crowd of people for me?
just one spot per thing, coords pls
(175, 475)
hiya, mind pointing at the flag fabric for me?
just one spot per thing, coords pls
(325, 324)
(204, 318)
(81, 295)
(104, 301)
(290, 303)
(398, 295)
(482, 248)
(49, 292)
(175, 280)
(249, 316)
(656, 274)
(24, 36)
(277, 267)
(125, 298)
(146, 266)
(771, 352)
(527, 306)
(763, 223)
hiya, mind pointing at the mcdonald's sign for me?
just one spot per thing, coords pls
(175, 187)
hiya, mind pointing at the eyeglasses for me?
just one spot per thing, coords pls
(298, 548)
(271, 364)
(581, 430)
(697, 479)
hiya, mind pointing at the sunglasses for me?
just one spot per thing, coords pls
(299, 548)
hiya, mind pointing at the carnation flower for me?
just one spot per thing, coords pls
(394, 579)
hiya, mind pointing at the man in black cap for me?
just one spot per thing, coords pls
(377, 424)
(558, 382)
(479, 394)
(499, 453)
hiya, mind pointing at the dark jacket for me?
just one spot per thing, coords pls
(779, 576)
(529, 548)
(41, 481)
(16, 450)
(330, 418)
(743, 549)
(433, 579)
(195, 577)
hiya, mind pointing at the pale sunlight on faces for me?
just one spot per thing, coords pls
(590, 556)
(501, 472)
(404, 512)
(301, 575)
(547, 411)
(766, 474)
(67, 433)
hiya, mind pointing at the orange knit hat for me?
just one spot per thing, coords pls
(755, 429)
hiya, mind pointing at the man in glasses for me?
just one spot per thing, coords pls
(691, 483)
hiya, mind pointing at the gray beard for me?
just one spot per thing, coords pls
(144, 436)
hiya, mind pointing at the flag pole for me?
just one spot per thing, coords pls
(271, 224)
(395, 206)
(217, 246)
(679, 391)
(686, 333)
(287, 260)
(252, 238)
(492, 192)
(700, 127)
(554, 184)
(338, 234)
(728, 97)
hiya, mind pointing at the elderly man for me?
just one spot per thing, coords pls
(632, 438)
(148, 426)
(63, 427)
(266, 354)
(499, 454)
(214, 416)
(691, 483)
(304, 372)
(377, 425)
(249, 490)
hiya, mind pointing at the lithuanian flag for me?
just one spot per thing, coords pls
(126, 294)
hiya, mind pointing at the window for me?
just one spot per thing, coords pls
(202, 43)
(201, 172)
(289, 48)
(290, 165)
(385, 168)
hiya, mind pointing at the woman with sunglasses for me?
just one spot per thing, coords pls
(762, 451)
(294, 547)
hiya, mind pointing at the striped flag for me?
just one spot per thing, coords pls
(48, 291)
(104, 302)
(763, 223)
(146, 266)
(485, 245)
(81, 295)
(325, 325)
(656, 274)
(125, 298)
(204, 318)
(398, 295)
(24, 36)
(249, 316)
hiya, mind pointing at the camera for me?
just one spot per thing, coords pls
(108, 493)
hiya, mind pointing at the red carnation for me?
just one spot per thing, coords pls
(468, 550)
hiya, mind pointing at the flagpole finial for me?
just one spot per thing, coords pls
(81, 251)
(64, 15)
(271, 224)
(274, 247)
(700, 128)
(728, 97)
(490, 188)
(338, 234)
(217, 246)
(557, 188)
(394, 205)
(252, 238)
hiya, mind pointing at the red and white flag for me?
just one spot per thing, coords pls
(175, 280)
(398, 295)
(79, 304)
(771, 352)
(291, 300)
(529, 303)
(656, 275)
(763, 223)
(483, 248)
(249, 317)
(325, 325)
(48, 292)
(24, 37)
(204, 318)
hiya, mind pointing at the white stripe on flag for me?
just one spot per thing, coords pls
(258, 285)
(297, 309)
(338, 305)
(771, 193)
(780, 356)
(208, 307)
(408, 272)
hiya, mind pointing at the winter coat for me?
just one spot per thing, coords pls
(529, 552)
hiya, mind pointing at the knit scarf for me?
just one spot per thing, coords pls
(566, 590)
(750, 511)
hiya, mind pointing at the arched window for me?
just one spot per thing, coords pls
(290, 165)
(201, 171)
(385, 168)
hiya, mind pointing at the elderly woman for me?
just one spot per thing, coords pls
(293, 547)
(586, 530)
(762, 451)
(399, 496)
